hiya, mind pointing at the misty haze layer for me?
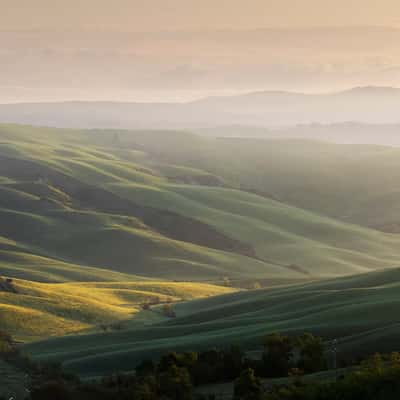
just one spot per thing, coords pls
(226, 115)
(58, 65)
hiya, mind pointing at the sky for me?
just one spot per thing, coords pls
(154, 15)
(163, 50)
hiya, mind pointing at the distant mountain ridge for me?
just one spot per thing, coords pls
(368, 105)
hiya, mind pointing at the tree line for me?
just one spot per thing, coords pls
(175, 375)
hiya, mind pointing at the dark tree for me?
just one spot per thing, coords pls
(175, 384)
(146, 368)
(55, 390)
(248, 386)
(167, 361)
(311, 353)
(278, 354)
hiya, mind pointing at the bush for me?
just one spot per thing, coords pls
(248, 387)
(168, 311)
(278, 355)
(175, 383)
(54, 390)
(311, 350)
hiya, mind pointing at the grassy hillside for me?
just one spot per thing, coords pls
(111, 200)
(297, 240)
(355, 183)
(37, 310)
(23, 265)
(96, 223)
(361, 311)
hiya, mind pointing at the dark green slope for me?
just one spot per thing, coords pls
(361, 311)
(49, 211)
(110, 199)
(106, 205)
(355, 183)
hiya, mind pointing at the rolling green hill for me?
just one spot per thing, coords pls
(111, 200)
(361, 311)
(91, 219)
(353, 183)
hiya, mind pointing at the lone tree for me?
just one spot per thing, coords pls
(248, 386)
(311, 349)
(278, 355)
(168, 311)
(175, 383)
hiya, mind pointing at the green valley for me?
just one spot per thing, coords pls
(121, 245)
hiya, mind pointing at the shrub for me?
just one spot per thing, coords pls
(175, 383)
(311, 353)
(278, 354)
(248, 386)
(168, 311)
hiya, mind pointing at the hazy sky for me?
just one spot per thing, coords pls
(119, 49)
(149, 15)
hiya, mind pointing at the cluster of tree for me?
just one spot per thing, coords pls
(378, 378)
(174, 383)
(283, 355)
(175, 374)
(7, 285)
(205, 367)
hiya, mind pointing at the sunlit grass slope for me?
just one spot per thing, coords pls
(361, 311)
(39, 310)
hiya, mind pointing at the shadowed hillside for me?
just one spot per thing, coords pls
(361, 311)
(353, 183)
(107, 199)
(84, 211)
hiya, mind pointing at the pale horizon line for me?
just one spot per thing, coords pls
(233, 93)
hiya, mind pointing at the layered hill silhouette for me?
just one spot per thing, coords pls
(371, 105)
